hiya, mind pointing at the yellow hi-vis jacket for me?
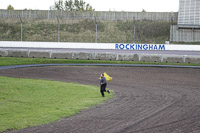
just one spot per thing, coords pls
(108, 78)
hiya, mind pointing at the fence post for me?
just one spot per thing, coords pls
(134, 30)
(9, 13)
(96, 29)
(22, 13)
(21, 27)
(58, 29)
(48, 14)
(74, 14)
(172, 21)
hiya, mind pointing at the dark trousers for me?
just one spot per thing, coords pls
(103, 89)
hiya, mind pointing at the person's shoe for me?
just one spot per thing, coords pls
(108, 91)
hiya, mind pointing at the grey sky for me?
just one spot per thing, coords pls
(101, 5)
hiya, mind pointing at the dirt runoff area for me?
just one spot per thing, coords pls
(147, 100)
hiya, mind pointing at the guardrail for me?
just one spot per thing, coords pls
(100, 56)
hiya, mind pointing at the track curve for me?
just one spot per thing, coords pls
(105, 65)
(148, 100)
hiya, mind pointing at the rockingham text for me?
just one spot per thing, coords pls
(140, 46)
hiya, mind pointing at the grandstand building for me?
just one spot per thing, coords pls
(188, 24)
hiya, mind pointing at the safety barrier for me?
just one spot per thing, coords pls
(119, 46)
(101, 56)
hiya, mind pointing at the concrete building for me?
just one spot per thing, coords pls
(188, 24)
(189, 14)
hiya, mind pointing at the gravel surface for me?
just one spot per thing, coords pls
(147, 100)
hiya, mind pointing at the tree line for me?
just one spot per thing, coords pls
(67, 5)
(72, 5)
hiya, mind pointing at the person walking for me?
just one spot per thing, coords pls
(103, 85)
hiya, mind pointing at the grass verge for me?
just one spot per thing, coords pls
(7, 61)
(45, 30)
(30, 102)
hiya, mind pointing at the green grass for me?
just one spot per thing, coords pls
(30, 102)
(7, 61)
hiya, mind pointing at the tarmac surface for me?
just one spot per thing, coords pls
(109, 51)
(147, 99)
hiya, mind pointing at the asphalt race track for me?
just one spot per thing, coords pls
(109, 51)
(147, 99)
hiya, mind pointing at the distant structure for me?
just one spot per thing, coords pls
(187, 29)
(189, 14)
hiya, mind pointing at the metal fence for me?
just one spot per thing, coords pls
(100, 15)
(108, 27)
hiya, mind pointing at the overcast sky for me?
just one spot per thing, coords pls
(100, 5)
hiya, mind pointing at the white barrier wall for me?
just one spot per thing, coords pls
(57, 45)
(100, 46)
